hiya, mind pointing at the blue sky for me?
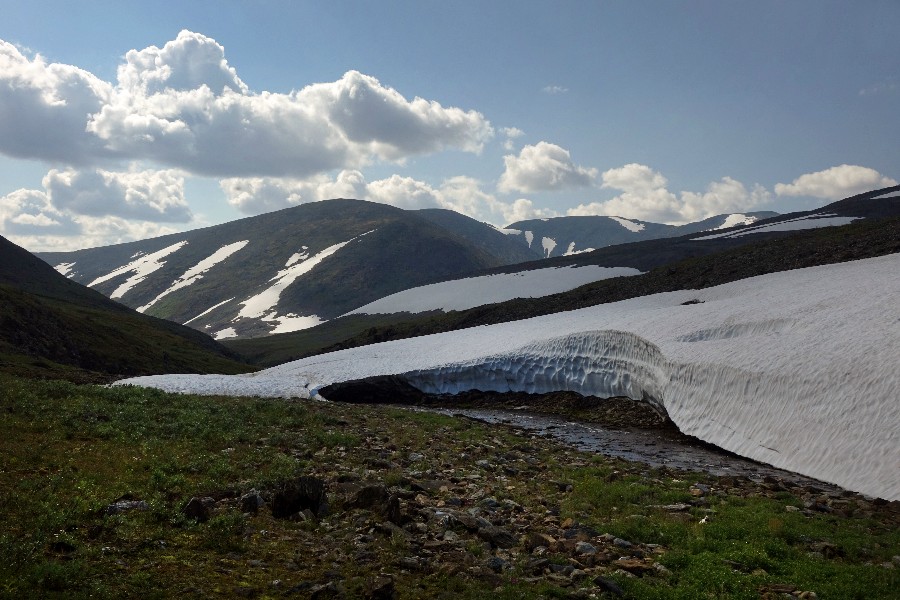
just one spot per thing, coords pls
(120, 121)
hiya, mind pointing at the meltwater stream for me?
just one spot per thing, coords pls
(657, 448)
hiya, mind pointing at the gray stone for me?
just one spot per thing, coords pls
(585, 549)
(497, 536)
(251, 502)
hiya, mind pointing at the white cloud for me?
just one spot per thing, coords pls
(725, 196)
(44, 109)
(80, 209)
(554, 89)
(886, 86)
(835, 183)
(142, 195)
(543, 167)
(511, 133)
(644, 195)
(403, 192)
(182, 105)
(255, 195)
(462, 194)
(29, 212)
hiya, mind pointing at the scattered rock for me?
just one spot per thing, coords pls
(300, 494)
(126, 505)
(251, 502)
(380, 588)
(608, 585)
(197, 509)
(497, 536)
(585, 549)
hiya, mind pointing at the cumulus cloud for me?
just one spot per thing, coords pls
(29, 218)
(543, 167)
(143, 195)
(554, 89)
(184, 106)
(77, 209)
(511, 133)
(835, 183)
(645, 196)
(462, 194)
(29, 212)
(44, 109)
(255, 195)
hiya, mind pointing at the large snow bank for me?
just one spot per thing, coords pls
(797, 369)
(807, 222)
(461, 294)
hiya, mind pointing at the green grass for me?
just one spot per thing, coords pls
(69, 451)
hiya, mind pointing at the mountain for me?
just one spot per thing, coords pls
(53, 327)
(289, 269)
(863, 226)
(561, 236)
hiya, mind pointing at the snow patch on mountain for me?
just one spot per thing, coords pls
(141, 268)
(796, 369)
(461, 294)
(529, 237)
(548, 244)
(571, 250)
(257, 306)
(629, 225)
(291, 322)
(807, 222)
(207, 311)
(302, 255)
(226, 333)
(510, 231)
(196, 272)
(66, 269)
(735, 220)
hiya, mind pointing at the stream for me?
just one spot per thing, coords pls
(657, 448)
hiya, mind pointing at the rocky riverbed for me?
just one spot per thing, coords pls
(492, 510)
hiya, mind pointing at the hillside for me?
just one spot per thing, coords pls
(289, 269)
(53, 327)
(670, 264)
(560, 236)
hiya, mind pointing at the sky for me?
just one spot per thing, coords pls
(125, 120)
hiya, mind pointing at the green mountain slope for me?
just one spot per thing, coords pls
(53, 327)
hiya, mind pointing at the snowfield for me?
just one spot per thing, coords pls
(797, 369)
(807, 222)
(470, 292)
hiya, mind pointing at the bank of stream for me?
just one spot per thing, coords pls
(616, 427)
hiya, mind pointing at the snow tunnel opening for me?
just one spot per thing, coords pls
(619, 412)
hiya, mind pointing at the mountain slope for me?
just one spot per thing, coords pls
(285, 270)
(560, 236)
(671, 264)
(53, 327)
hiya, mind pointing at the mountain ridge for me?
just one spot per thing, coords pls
(53, 327)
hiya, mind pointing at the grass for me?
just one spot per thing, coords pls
(67, 452)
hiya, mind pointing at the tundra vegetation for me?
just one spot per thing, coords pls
(114, 492)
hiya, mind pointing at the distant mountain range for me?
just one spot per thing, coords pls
(854, 228)
(295, 268)
(53, 327)
(561, 236)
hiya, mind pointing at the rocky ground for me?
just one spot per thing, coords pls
(490, 512)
